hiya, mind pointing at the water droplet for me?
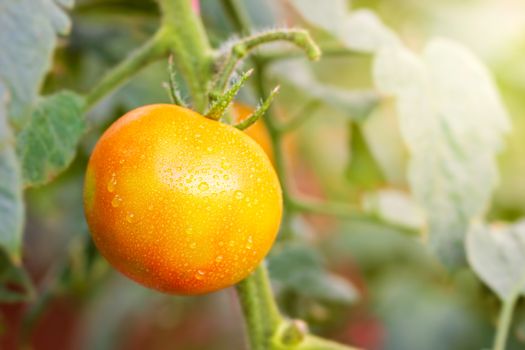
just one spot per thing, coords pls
(239, 194)
(193, 245)
(209, 148)
(150, 207)
(203, 186)
(231, 243)
(219, 258)
(116, 201)
(221, 243)
(121, 161)
(225, 165)
(142, 156)
(130, 217)
(249, 245)
(200, 275)
(112, 183)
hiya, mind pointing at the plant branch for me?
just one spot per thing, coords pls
(240, 49)
(219, 106)
(505, 316)
(259, 112)
(151, 51)
(259, 308)
(184, 34)
(344, 211)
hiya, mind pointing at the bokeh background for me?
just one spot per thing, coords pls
(382, 289)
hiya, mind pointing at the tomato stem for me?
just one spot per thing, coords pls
(241, 48)
(259, 308)
(259, 112)
(184, 34)
(219, 106)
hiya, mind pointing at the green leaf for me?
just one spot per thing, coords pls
(28, 30)
(356, 104)
(301, 269)
(453, 122)
(358, 30)
(11, 198)
(47, 143)
(497, 254)
(15, 284)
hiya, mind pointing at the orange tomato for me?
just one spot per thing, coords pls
(181, 203)
(256, 131)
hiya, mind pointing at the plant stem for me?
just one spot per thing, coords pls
(185, 36)
(505, 316)
(152, 50)
(240, 49)
(259, 112)
(259, 308)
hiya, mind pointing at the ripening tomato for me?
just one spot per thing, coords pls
(181, 203)
(256, 131)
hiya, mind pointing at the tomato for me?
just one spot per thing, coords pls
(181, 203)
(256, 131)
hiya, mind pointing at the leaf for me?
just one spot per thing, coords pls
(11, 198)
(356, 104)
(300, 268)
(396, 207)
(358, 30)
(497, 254)
(47, 143)
(452, 121)
(330, 18)
(28, 31)
(15, 284)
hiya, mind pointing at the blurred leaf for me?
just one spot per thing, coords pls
(497, 254)
(47, 143)
(11, 198)
(15, 284)
(396, 207)
(28, 31)
(453, 121)
(355, 104)
(301, 269)
(440, 319)
(358, 30)
(363, 172)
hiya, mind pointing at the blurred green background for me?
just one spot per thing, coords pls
(384, 290)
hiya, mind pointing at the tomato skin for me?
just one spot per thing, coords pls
(256, 131)
(181, 203)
